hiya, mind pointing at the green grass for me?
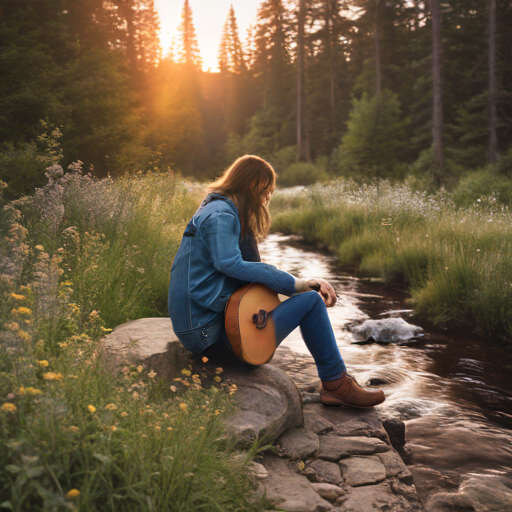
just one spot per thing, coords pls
(456, 262)
(77, 258)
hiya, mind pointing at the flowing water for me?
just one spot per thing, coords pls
(453, 391)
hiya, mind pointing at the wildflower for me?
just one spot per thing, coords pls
(196, 378)
(135, 395)
(93, 314)
(169, 428)
(21, 311)
(140, 368)
(217, 379)
(111, 407)
(186, 383)
(12, 326)
(74, 429)
(52, 376)
(174, 389)
(15, 296)
(73, 493)
(218, 371)
(301, 465)
(8, 407)
(232, 389)
(186, 372)
(91, 408)
(183, 407)
(44, 363)
(152, 374)
(124, 414)
(29, 391)
(217, 412)
(63, 345)
(125, 369)
(39, 247)
(113, 428)
(177, 379)
(205, 359)
(24, 335)
(157, 427)
(104, 329)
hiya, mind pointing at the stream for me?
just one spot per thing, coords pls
(453, 391)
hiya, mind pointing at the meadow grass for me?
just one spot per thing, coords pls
(456, 262)
(76, 433)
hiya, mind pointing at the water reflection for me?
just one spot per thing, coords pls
(454, 393)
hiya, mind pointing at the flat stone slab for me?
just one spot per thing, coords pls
(298, 443)
(323, 471)
(372, 498)
(330, 492)
(362, 471)
(334, 447)
(344, 422)
(289, 490)
(395, 467)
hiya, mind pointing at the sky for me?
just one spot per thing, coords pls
(209, 18)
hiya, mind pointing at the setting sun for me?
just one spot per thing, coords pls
(209, 18)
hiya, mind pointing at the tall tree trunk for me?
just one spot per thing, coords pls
(302, 140)
(493, 93)
(329, 22)
(437, 120)
(378, 69)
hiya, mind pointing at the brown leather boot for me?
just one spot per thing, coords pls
(346, 392)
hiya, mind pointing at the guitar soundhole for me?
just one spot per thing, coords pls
(260, 319)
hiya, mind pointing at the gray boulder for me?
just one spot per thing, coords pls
(298, 443)
(335, 447)
(371, 498)
(387, 330)
(362, 471)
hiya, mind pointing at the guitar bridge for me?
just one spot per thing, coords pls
(260, 319)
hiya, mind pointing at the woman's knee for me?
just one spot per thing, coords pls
(314, 298)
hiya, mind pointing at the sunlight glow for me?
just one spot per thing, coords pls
(209, 18)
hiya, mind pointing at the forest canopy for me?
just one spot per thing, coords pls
(361, 88)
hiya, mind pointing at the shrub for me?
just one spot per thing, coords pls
(301, 173)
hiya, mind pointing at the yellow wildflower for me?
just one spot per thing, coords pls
(218, 371)
(140, 368)
(169, 428)
(43, 363)
(186, 383)
(113, 428)
(73, 493)
(63, 345)
(15, 296)
(25, 336)
(217, 412)
(217, 379)
(8, 407)
(177, 379)
(152, 374)
(205, 359)
(52, 376)
(183, 407)
(91, 408)
(186, 372)
(39, 247)
(301, 465)
(174, 389)
(105, 329)
(72, 428)
(22, 311)
(29, 391)
(93, 314)
(12, 326)
(124, 414)
(111, 407)
(67, 283)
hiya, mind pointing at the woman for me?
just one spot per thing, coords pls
(218, 254)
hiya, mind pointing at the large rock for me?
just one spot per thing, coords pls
(290, 491)
(268, 403)
(330, 492)
(298, 443)
(335, 447)
(362, 470)
(387, 330)
(395, 467)
(323, 471)
(343, 422)
(268, 400)
(371, 498)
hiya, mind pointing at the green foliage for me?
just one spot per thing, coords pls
(76, 431)
(455, 260)
(301, 173)
(375, 139)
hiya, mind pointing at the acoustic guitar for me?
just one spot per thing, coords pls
(249, 323)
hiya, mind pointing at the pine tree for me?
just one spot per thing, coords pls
(437, 121)
(231, 55)
(188, 49)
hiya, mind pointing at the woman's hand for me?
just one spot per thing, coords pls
(325, 289)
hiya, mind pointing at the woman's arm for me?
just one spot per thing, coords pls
(222, 231)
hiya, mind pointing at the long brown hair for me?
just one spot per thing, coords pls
(244, 181)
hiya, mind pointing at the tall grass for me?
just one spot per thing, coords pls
(457, 262)
(77, 258)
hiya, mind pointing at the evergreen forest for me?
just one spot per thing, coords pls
(321, 88)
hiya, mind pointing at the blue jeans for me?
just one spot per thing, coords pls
(308, 311)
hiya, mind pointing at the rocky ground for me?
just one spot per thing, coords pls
(325, 459)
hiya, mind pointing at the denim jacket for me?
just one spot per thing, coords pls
(209, 267)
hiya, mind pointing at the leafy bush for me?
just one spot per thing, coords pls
(483, 186)
(301, 173)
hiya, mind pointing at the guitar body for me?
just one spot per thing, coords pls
(249, 328)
